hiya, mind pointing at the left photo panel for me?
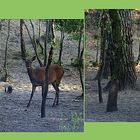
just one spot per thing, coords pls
(41, 75)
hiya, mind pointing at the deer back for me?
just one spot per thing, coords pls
(55, 73)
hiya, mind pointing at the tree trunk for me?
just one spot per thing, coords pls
(79, 42)
(80, 71)
(23, 50)
(80, 59)
(5, 78)
(97, 52)
(103, 57)
(121, 56)
(104, 68)
(112, 97)
(122, 59)
(33, 41)
(46, 40)
(45, 92)
(61, 46)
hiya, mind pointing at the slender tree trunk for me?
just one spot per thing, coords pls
(61, 46)
(39, 29)
(23, 50)
(45, 92)
(6, 51)
(79, 42)
(80, 61)
(46, 41)
(81, 71)
(38, 41)
(33, 41)
(97, 52)
(103, 56)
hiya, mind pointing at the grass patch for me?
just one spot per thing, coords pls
(76, 124)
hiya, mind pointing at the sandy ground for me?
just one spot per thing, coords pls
(14, 115)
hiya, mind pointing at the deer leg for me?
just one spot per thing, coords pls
(32, 93)
(56, 100)
(57, 86)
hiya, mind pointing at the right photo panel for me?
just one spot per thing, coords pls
(112, 65)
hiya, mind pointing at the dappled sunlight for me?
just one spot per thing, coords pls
(15, 115)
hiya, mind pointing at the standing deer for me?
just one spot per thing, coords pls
(37, 78)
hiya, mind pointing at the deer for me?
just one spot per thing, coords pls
(37, 78)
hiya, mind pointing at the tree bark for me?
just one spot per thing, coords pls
(45, 92)
(48, 24)
(23, 50)
(33, 41)
(112, 97)
(61, 47)
(6, 51)
(122, 60)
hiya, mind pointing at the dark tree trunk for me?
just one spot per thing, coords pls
(46, 41)
(5, 78)
(112, 97)
(80, 60)
(116, 52)
(97, 52)
(81, 71)
(38, 41)
(33, 41)
(104, 68)
(122, 60)
(103, 57)
(61, 47)
(45, 92)
(39, 29)
(81, 74)
(79, 42)
(121, 56)
(23, 50)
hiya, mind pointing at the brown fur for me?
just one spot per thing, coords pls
(37, 78)
(55, 74)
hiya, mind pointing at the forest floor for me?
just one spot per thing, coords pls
(14, 115)
(128, 100)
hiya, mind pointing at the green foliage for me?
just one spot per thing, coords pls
(75, 125)
(69, 25)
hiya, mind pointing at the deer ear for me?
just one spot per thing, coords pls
(34, 57)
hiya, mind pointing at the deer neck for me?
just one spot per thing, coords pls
(31, 74)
